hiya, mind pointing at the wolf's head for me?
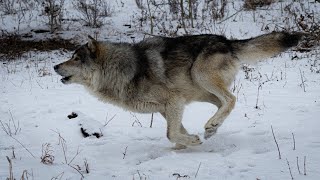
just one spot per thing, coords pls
(79, 69)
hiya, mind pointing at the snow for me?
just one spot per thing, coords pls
(243, 148)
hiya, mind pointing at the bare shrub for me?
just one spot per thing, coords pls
(53, 10)
(11, 127)
(218, 8)
(106, 9)
(174, 6)
(90, 12)
(10, 169)
(25, 175)
(214, 9)
(305, 21)
(139, 4)
(311, 26)
(253, 4)
(7, 6)
(47, 157)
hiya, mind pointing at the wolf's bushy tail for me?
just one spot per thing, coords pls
(264, 46)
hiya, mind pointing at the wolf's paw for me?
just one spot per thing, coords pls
(179, 147)
(193, 140)
(189, 140)
(210, 130)
(186, 140)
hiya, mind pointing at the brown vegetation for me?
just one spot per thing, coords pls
(13, 46)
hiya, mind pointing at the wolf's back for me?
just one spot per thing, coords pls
(264, 46)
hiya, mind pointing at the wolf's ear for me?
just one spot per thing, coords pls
(92, 44)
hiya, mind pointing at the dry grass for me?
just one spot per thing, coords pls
(253, 4)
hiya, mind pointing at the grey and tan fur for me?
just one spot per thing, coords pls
(164, 74)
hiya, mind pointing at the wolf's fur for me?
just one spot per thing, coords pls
(164, 74)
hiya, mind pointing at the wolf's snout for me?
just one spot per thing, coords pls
(56, 67)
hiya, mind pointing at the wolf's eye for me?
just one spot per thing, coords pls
(76, 58)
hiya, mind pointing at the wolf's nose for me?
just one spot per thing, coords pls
(55, 67)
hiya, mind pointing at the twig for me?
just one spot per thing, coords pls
(77, 153)
(257, 101)
(136, 121)
(10, 169)
(125, 152)
(24, 175)
(195, 176)
(58, 177)
(4, 129)
(298, 165)
(23, 146)
(180, 176)
(151, 120)
(86, 165)
(62, 142)
(47, 157)
(276, 142)
(302, 81)
(16, 127)
(64, 149)
(289, 169)
(140, 176)
(294, 142)
(109, 120)
(77, 170)
(304, 165)
(230, 16)
(13, 153)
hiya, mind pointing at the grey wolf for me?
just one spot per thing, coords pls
(163, 74)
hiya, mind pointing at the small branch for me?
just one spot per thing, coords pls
(23, 146)
(125, 152)
(304, 166)
(58, 177)
(298, 165)
(64, 149)
(276, 142)
(86, 165)
(257, 101)
(294, 142)
(230, 16)
(24, 175)
(13, 153)
(302, 81)
(5, 129)
(77, 170)
(180, 176)
(289, 169)
(195, 176)
(77, 153)
(47, 157)
(136, 121)
(17, 128)
(10, 169)
(151, 120)
(109, 120)
(62, 143)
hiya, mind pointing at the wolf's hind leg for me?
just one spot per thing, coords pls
(214, 74)
(227, 100)
(176, 133)
(227, 104)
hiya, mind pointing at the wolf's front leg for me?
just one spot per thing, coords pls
(173, 114)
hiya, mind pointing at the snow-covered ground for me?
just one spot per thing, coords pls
(35, 105)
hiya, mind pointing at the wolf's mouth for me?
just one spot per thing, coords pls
(65, 79)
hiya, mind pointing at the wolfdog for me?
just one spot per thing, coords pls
(163, 74)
